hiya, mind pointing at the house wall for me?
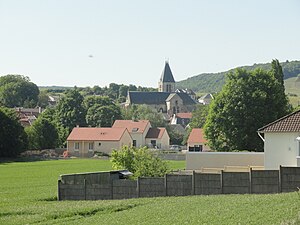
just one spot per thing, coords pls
(205, 148)
(140, 137)
(198, 160)
(100, 146)
(280, 149)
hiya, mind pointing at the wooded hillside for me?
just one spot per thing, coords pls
(213, 82)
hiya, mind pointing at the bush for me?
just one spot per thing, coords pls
(140, 161)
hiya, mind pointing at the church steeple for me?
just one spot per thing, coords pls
(166, 82)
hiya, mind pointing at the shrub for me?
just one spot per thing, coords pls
(140, 161)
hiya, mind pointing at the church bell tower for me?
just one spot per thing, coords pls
(166, 82)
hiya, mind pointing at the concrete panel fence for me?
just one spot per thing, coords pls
(110, 185)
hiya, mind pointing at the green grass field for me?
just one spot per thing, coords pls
(28, 196)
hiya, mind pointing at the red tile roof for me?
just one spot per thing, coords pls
(96, 134)
(156, 132)
(132, 126)
(197, 136)
(184, 115)
(288, 123)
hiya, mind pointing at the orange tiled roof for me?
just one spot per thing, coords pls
(288, 123)
(197, 136)
(184, 115)
(132, 126)
(156, 132)
(96, 134)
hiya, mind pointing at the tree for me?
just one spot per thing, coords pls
(42, 134)
(18, 91)
(248, 101)
(103, 115)
(70, 110)
(43, 99)
(144, 112)
(140, 161)
(13, 139)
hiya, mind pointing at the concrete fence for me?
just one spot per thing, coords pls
(109, 185)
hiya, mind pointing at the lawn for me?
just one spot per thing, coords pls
(28, 191)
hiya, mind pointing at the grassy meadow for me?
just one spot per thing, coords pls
(28, 196)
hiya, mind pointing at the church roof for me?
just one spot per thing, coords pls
(167, 75)
(148, 98)
(157, 98)
(186, 99)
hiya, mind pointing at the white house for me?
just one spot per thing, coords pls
(282, 141)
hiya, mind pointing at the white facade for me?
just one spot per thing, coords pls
(280, 149)
(199, 160)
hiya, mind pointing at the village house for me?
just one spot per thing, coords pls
(144, 135)
(85, 141)
(181, 118)
(197, 142)
(28, 115)
(137, 129)
(158, 138)
(206, 99)
(282, 141)
(166, 100)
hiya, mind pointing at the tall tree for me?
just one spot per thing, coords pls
(144, 112)
(70, 110)
(103, 115)
(13, 139)
(18, 91)
(42, 134)
(248, 101)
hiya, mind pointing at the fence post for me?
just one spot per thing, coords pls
(58, 191)
(250, 180)
(166, 184)
(84, 186)
(138, 187)
(193, 182)
(280, 178)
(221, 177)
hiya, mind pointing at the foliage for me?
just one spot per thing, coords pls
(101, 111)
(140, 161)
(248, 101)
(42, 134)
(213, 82)
(29, 190)
(144, 112)
(70, 110)
(43, 99)
(13, 139)
(176, 138)
(18, 91)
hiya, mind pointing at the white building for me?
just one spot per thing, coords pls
(282, 142)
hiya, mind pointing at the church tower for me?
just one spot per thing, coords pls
(166, 82)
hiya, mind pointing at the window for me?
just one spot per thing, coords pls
(91, 146)
(76, 146)
(153, 143)
(134, 143)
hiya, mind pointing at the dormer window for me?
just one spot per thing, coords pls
(135, 129)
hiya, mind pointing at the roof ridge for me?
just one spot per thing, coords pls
(278, 120)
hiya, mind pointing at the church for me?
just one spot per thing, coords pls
(167, 99)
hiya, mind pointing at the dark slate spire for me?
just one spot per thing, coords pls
(167, 75)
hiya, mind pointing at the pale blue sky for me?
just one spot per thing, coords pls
(51, 40)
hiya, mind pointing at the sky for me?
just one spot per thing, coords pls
(95, 42)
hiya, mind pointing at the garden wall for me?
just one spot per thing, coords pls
(109, 185)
